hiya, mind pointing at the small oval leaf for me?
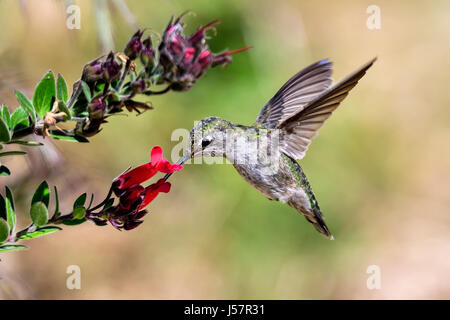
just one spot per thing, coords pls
(80, 201)
(4, 230)
(9, 200)
(58, 135)
(63, 108)
(12, 153)
(74, 222)
(44, 94)
(78, 213)
(26, 104)
(26, 143)
(5, 135)
(3, 214)
(42, 194)
(39, 233)
(7, 248)
(5, 115)
(86, 91)
(56, 214)
(39, 214)
(19, 117)
(61, 89)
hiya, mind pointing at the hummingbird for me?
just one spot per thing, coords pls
(294, 116)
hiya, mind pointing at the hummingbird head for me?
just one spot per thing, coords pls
(207, 138)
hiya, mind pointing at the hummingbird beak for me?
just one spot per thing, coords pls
(181, 161)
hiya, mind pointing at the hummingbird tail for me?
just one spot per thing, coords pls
(305, 202)
(314, 217)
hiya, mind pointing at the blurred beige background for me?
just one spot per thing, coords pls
(379, 167)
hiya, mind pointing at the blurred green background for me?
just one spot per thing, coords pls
(379, 167)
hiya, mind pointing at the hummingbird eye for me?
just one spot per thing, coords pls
(206, 142)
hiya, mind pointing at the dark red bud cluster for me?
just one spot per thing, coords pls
(108, 70)
(185, 59)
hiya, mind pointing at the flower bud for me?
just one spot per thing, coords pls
(139, 85)
(188, 57)
(198, 38)
(97, 108)
(221, 59)
(147, 54)
(89, 127)
(225, 57)
(111, 69)
(134, 46)
(92, 71)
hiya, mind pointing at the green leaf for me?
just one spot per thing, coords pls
(74, 222)
(86, 91)
(39, 233)
(61, 89)
(91, 201)
(4, 114)
(58, 135)
(4, 230)
(42, 194)
(26, 143)
(44, 94)
(78, 207)
(63, 108)
(7, 248)
(3, 214)
(39, 214)
(12, 153)
(11, 215)
(80, 201)
(56, 214)
(26, 104)
(19, 117)
(5, 135)
(78, 213)
(4, 171)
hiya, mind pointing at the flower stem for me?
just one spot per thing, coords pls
(103, 202)
(149, 92)
(124, 74)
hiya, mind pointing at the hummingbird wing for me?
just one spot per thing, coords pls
(299, 129)
(296, 93)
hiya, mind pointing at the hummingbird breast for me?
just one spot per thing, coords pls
(276, 183)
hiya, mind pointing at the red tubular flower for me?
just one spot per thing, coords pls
(152, 191)
(132, 196)
(146, 171)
